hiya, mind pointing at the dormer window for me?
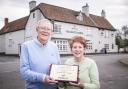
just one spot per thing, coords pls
(80, 16)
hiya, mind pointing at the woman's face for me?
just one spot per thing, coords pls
(78, 50)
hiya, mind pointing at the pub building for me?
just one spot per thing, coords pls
(67, 23)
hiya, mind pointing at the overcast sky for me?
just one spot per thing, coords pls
(116, 10)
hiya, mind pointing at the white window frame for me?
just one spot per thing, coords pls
(89, 46)
(62, 45)
(57, 28)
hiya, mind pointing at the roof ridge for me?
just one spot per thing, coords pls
(14, 25)
(58, 6)
(18, 19)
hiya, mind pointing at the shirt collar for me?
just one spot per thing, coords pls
(82, 60)
(39, 43)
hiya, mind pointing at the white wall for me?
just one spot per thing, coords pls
(13, 46)
(2, 43)
(90, 33)
(107, 38)
(68, 31)
(30, 30)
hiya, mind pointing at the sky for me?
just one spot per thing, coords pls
(116, 10)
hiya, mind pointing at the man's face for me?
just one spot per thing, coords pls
(44, 31)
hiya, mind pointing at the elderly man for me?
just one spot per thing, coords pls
(36, 57)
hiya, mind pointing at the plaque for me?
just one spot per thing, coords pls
(64, 72)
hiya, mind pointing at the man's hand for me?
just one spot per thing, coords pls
(49, 80)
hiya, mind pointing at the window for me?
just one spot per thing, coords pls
(112, 46)
(106, 46)
(89, 46)
(62, 45)
(33, 15)
(106, 34)
(57, 28)
(102, 33)
(28, 32)
(99, 42)
(112, 34)
(89, 32)
(10, 43)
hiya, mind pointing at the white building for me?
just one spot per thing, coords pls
(12, 35)
(67, 23)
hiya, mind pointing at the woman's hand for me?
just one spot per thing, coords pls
(79, 84)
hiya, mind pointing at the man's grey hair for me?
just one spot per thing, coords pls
(44, 21)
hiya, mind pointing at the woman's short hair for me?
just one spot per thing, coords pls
(80, 39)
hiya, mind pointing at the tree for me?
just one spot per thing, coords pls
(125, 33)
(119, 42)
(121, 38)
(125, 45)
(125, 30)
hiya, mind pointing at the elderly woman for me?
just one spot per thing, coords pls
(88, 72)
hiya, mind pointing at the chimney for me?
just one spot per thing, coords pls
(85, 9)
(5, 21)
(103, 13)
(32, 4)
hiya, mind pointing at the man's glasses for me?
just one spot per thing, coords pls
(44, 29)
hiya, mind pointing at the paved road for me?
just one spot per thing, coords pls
(113, 75)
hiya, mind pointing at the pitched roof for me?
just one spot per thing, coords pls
(101, 22)
(60, 14)
(63, 14)
(18, 24)
(67, 15)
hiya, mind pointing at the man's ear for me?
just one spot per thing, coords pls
(36, 29)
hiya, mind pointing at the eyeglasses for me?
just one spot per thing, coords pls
(44, 29)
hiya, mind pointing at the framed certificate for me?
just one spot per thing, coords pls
(64, 72)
